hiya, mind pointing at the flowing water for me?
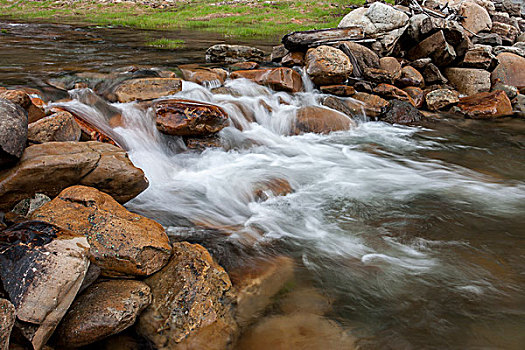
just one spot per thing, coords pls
(415, 234)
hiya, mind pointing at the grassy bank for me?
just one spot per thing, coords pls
(236, 18)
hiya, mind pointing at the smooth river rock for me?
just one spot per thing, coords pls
(147, 89)
(320, 120)
(103, 309)
(13, 132)
(327, 65)
(121, 243)
(279, 79)
(7, 320)
(192, 303)
(50, 167)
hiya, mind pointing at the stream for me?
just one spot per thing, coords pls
(415, 234)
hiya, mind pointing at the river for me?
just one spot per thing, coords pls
(415, 234)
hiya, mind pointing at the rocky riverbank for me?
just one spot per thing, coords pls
(77, 268)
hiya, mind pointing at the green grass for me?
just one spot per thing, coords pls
(166, 43)
(254, 18)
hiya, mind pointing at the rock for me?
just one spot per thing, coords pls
(279, 79)
(433, 75)
(13, 132)
(327, 65)
(293, 59)
(18, 97)
(121, 243)
(441, 98)
(510, 90)
(401, 112)
(278, 52)
(480, 56)
(362, 104)
(391, 92)
(7, 320)
(491, 39)
(307, 300)
(298, 331)
(377, 75)
(485, 105)
(373, 104)
(378, 18)
(189, 118)
(320, 120)
(511, 49)
(223, 53)
(201, 75)
(256, 285)
(202, 143)
(28, 205)
(192, 303)
(417, 95)
(59, 126)
(510, 70)
(147, 89)
(421, 63)
(338, 90)
(50, 167)
(476, 18)
(363, 86)
(94, 316)
(507, 32)
(519, 105)
(435, 47)
(391, 65)
(245, 65)
(410, 77)
(468, 81)
(360, 56)
(271, 188)
(42, 268)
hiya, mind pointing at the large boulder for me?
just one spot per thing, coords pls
(510, 70)
(327, 65)
(42, 268)
(13, 132)
(320, 120)
(476, 18)
(486, 105)
(222, 53)
(189, 118)
(7, 320)
(59, 126)
(468, 81)
(192, 303)
(279, 79)
(103, 309)
(50, 167)
(401, 112)
(121, 243)
(146, 89)
(435, 47)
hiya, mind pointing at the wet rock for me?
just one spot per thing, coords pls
(373, 104)
(121, 243)
(418, 96)
(320, 120)
(147, 89)
(507, 32)
(480, 56)
(476, 18)
(13, 132)
(293, 59)
(391, 92)
(468, 81)
(244, 65)
(42, 269)
(410, 77)
(7, 320)
(519, 105)
(435, 47)
(201, 75)
(202, 143)
(433, 75)
(192, 303)
(279, 79)
(401, 112)
(256, 285)
(298, 331)
(327, 65)
(59, 126)
(189, 118)
(278, 52)
(338, 90)
(441, 98)
(364, 86)
(360, 56)
(223, 53)
(377, 75)
(485, 105)
(94, 316)
(48, 168)
(491, 39)
(391, 65)
(510, 69)
(307, 300)
(271, 188)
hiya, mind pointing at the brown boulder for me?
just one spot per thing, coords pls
(441, 98)
(121, 243)
(360, 56)
(435, 47)
(201, 75)
(279, 79)
(13, 132)
(469, 81)
(391, 65)
(327, 65)
(320, 120)
(244, 65)
(507, 32)
(410, 77)
(189, 118)
(7, 320)
(104, 309)
(373, 104)
(391, 92)
(338, 90)
(147, 89)
(480, 56)
(476, 18)
(510, 70)
(418, 96)
(42, 268)
(293, 59)
(50, 167)
(486, 105)
(272, 187)
(192, 304)
(59, 126)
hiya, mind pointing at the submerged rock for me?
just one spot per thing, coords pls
(147, 89)
(271, 188)
(486, 105)
(327, 65)
(279, 79)
(192, 304)
(7, 320)
(320, 120)
(223, 53)
(13, 132)
(104, 309)
(121, 243)
(42, 268)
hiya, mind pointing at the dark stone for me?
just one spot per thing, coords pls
(400, 112)
(13, 132)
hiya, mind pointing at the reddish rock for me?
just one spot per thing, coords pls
(441, 98)
(320, 120)
(18, 97)
(417, 95)
(59, 126)
(391, 65)
(410, 77)
(147, 89)
(293, 59)
(480, 56)
(189, 118)
(506, 31)
(271, 188)
(377, 75)
(510, 70)
(338, 90)
(361, 103)
(244, 65)
(373, 104)
(279, 79)
(391, 92)
(327, 65)
(201, 75)
(202, 143)
(486, 105)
